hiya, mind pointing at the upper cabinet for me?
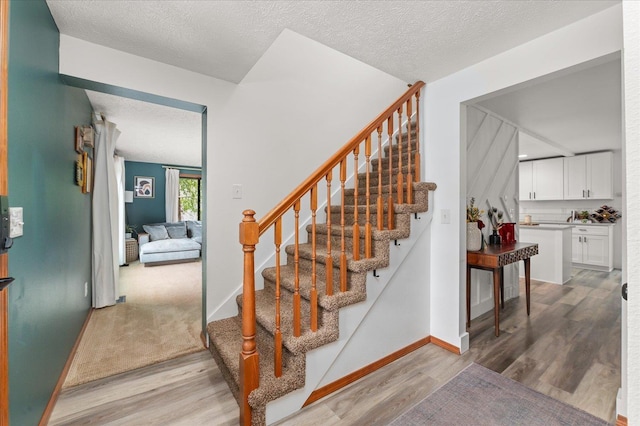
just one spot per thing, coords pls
(588, 176)
(581, 177)
(541, 179)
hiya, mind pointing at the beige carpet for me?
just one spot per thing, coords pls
(160, 320)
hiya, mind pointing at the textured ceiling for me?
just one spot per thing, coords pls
(410, 40)
(152, 133)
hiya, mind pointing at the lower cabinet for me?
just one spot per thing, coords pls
(592, 247)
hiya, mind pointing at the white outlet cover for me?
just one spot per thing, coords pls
(15, 222)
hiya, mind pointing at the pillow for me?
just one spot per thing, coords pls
(194, 229)
(176, 230)
(156, 232)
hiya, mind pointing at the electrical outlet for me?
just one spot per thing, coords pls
(236, 191)
(86, 289)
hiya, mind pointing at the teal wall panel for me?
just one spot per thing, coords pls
(147, 210)
(52, 261)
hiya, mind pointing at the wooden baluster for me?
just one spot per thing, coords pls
(417, 158)
(329, 261)
(379, 203)
(314, 292)
(400, 181)
(343, 253)
(409, 175)
(296, 280)
(277, 354)
(249, 359)
(356, 227)
(390, 210)
(367, 226)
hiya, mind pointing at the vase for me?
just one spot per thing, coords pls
(494, 239)
(474, 236)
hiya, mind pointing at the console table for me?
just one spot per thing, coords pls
(493, 258)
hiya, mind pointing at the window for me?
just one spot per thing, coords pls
(190, 197)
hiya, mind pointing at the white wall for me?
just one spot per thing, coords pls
(298, 104)
(631, 67)
(595, 36)
(492, 169)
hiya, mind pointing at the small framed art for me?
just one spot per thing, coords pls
(79, 140)
(144, 187)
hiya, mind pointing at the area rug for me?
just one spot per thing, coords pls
(160, 320)
(479, 396)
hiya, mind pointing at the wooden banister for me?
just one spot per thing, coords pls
(267, 220)
(251, 230)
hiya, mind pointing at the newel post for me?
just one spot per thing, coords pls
(249, 365)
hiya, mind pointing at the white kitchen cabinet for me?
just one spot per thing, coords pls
(541, 179)
(588, 176)
(592, 247)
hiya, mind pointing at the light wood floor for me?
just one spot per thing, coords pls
(569, 349)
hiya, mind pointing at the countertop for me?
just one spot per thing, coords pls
(546, 226)
(576, 223)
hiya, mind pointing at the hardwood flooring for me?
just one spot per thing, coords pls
(569, 349)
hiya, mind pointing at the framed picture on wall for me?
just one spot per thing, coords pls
(144, 187)
(88, 174)
(79, 141)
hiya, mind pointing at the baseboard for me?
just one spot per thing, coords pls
(621, 421)
(358, 374)
(445, 345)
(44, 420)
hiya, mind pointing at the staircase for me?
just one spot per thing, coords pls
(262, 352)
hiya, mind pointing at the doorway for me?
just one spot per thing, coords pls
(156, 299)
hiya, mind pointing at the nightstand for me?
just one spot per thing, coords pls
(131, 245)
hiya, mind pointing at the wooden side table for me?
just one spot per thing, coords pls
(131, 251)
(494, 258)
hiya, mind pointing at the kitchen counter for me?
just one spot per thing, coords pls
(576, 223)
(553, 263)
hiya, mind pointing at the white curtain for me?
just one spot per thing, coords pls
(118, 163)
(105, 217)
(172, 192)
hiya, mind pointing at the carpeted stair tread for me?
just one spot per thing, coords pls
(265, 314)
(331, 303)
(362, 265)
(226, 344)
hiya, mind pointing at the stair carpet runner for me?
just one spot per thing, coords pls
(226, 334)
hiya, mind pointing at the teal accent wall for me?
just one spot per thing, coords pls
(52, 261)
(144, 211)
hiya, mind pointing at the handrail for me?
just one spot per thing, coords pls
(284, 205)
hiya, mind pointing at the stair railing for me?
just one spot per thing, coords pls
(251, 230)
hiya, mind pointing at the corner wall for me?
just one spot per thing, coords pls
(590, 38)
(52, 261)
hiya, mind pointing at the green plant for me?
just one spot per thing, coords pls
(473, 212)
(130, 229)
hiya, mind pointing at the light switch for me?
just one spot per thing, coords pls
(445, 216)
(15, 222)
(236, 191)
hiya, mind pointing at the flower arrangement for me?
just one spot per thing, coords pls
(474, 213)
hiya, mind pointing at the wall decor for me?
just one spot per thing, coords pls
(88, 174)
(78, 140)
(79, 168)
(87, 136)
(144, 187)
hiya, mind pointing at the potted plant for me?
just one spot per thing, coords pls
(474, 226)
(129, 230)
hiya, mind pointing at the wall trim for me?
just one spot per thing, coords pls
(44, 420)
(364, 371)
(445, 345)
